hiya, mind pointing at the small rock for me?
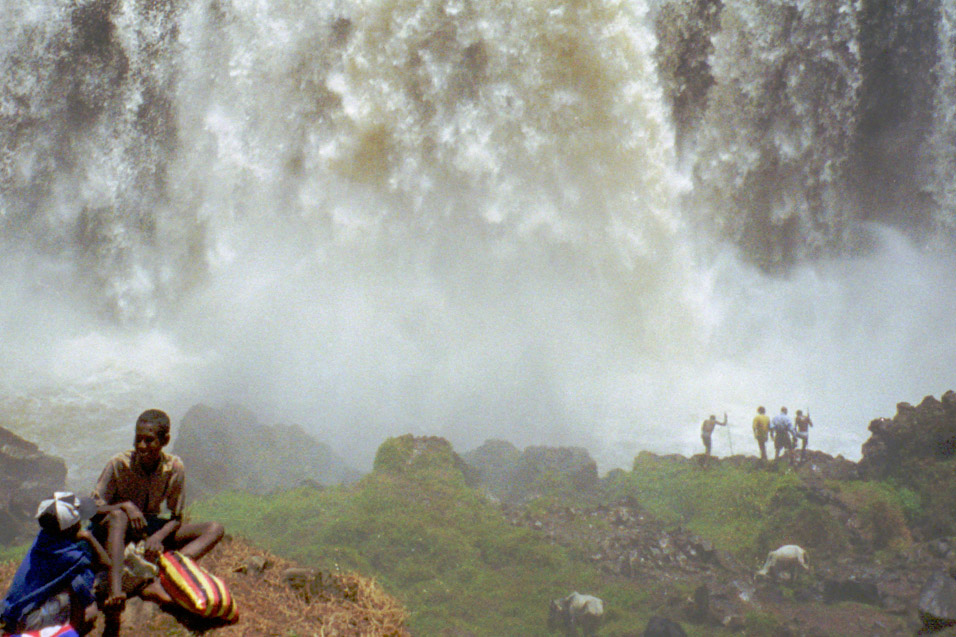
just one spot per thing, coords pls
(255, 565)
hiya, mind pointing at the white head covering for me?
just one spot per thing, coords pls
(66, 508)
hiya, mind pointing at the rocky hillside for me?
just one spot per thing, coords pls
(229, 449)
(27, 475)
(275, 597)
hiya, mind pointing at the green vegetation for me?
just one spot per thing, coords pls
(748, 510)
(13, 553)
(927, 492)
(438, 545)
(459, 566)
(727, 504)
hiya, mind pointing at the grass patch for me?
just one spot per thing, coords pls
(725, 503)
(13, 553)
(438, 545)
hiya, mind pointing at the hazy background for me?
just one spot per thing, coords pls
(588, 223)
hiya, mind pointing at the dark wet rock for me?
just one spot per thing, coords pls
(851, 590)
(827, 467)
(229, 449)
(27, 476)
(700, 610)
(663, 627)
(924, 432)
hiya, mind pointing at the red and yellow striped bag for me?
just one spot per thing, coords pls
(196, 589)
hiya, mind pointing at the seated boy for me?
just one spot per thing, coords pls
(54, 583)
(132, 490)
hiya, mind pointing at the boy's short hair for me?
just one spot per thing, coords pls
(156, 417)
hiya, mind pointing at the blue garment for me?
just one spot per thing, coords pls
(781, 422)
(53, 564)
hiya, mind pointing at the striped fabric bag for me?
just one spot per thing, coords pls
(196, 589)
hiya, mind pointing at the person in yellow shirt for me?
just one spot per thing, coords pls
(761, 427)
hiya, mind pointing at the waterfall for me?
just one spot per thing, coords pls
(576, 222)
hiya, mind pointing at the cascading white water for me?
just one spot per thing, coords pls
(447, 217)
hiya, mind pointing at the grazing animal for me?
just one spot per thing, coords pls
(576, 611)
(787, 557)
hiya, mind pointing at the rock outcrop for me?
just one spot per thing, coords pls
(230, 449)
(917, 449)
(427, 457)
(27, 475)
(926, 432)
(494, 464)
(515, 476)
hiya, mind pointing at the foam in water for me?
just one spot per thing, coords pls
(466, 219)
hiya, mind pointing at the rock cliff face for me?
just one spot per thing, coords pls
(516, 476)
(924, 433)
(230, 449)
(917, 449)
(27, 475)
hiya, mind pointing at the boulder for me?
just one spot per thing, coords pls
(516, 477)
(663, 627)
(494, 465)
(229, 449)
(937, 601)
(27, 476)
(570, 468)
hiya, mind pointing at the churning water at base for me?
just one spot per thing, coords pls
(468, 219)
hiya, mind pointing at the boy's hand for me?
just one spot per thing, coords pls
(137, 520)
(153, 548)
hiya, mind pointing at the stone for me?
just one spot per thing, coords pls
(937, 601)
(229, 449)
(27, 476)
(663, 627)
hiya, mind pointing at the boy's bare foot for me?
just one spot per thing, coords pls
(154, 592)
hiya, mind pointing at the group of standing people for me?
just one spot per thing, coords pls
(71, 570)
(784, 432)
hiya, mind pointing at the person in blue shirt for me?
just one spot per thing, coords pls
(781, 428)
(54, 583)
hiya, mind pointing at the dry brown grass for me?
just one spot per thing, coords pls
(349, 604)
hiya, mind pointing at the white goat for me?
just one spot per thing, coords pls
(576, 611)
(789, 557)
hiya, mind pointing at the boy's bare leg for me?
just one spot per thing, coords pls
(197, 539)
(116, 599)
